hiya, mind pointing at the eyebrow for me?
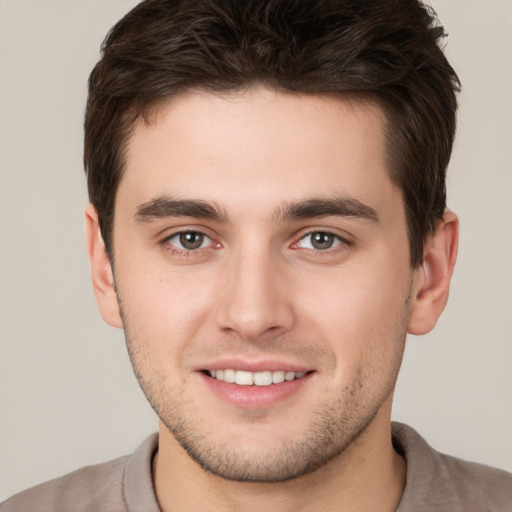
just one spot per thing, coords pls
(323, 207)
(163, 207)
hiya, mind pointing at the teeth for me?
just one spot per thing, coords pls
(263, 378)
(230, 376)
(277, 377)
(289, 376)
(243, 378)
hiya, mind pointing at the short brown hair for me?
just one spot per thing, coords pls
(384, 50)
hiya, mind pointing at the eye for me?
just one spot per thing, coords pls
(319, 241)
(189, 240)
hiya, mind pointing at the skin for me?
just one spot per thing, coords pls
(258, 290)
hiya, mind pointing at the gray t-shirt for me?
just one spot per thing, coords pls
(435, 483)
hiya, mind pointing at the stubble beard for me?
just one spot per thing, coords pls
(336, 423)
(327, 437)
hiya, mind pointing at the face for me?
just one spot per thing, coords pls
(262, 271)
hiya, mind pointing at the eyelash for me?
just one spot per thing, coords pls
(184, 251)
(338, 240)
(339, 243)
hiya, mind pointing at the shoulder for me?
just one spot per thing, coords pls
(92, 488)
(439, 482)
(478, 483)
(73, 491)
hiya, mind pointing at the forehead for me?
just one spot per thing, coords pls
(257, 147)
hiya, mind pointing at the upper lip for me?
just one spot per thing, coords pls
(255, 366)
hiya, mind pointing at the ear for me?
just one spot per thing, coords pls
(101, 270)
(432, 280)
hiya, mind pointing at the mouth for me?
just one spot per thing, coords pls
(256, 384)
(262, 378)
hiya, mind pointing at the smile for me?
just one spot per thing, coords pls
(244, 378)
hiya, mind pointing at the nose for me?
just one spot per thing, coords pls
(253, 297)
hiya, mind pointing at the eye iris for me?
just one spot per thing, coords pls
(322, 240)
(191, 240)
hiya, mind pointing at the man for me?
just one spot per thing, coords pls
(267, 222)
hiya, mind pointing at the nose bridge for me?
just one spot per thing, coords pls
(253, 300)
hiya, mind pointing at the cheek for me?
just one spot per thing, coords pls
(361, 313)
(352, 298)
(164, 307)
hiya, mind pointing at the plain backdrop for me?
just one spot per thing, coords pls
(67, 394)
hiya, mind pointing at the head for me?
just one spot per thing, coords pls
(268, 178)
(388, 52)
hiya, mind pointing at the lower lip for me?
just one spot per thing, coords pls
(255, 397)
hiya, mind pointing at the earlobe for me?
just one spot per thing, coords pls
(432, 284)
(101, 270)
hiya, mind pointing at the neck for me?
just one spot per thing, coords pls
(369, 475)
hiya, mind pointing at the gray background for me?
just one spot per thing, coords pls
(67, 394)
